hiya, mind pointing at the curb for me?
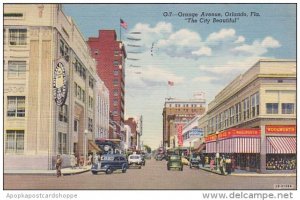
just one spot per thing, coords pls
(46, 173)
(216, 172)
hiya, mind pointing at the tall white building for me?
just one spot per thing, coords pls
(50, 88)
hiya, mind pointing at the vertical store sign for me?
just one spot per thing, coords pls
(179, 134)
(60, 84)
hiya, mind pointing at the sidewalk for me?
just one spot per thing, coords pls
(64, 171)
(254, 174)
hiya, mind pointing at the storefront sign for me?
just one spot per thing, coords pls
(60, 84)
(283, 129)
(211, 138)
(179, 134)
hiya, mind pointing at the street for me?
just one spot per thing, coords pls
(152, 176)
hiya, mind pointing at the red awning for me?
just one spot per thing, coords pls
(281, 145)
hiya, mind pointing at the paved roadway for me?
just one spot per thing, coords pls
(153, 176)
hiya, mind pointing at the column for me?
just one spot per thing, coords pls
(263, 150)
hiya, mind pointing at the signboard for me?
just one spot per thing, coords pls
(196, 132)
(211, 138)
(280, 129)
(179, 134)
(231, 133)
(60, 84)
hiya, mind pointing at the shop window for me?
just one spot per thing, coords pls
(15, 106)
(272, 108)
(14, 141)
(17, 36)
(16, 69)
(287, 108)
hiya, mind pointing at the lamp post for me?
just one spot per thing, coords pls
(84, 146)
(217, 150)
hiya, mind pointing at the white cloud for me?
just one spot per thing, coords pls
(203, 51)
(205, 79)
(270, 42)
(240, 39)
(258, 47)
(183, 37)
(223, 34)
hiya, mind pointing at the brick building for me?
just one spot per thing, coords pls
(110, 55)
(179, 112)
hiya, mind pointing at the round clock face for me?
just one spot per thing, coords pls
(60, 84)
(106, 148)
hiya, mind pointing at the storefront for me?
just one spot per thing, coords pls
(241, 145)
(281, 147)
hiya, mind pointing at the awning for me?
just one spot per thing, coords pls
(281, 145)
(234, 145)
(211, 147)
(199, 148)
(93, 146)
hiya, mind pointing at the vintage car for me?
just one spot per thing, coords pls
(194, 162)
(110, 163)
(185, 161)
(135, 160)
(175, 162)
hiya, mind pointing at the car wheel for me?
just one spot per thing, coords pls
(181, 168)
(94, 172)
(108, 171)
(140, 167)
(168, 168)
(191, 166)
(124, 168)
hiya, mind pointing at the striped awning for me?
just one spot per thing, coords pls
(281, 145)
(211, 147)
(239, 145)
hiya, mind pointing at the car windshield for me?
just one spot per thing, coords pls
(134, 157)
(174, 157)
(107, 158)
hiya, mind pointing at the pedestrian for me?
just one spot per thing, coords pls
(203, 161)
(90, 159)
(211, 163)
(222, 166)
(228, 165)
(73, 161)
(58, 165)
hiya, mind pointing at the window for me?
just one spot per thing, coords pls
(17, 36)
(272, 108)
(116, 53)
(116, 63)
(64, 50)
(15, 106)
(116, 92)
(91, 102)
(115, 113)
(231, 115)
(62, 143)
(115, 82)
(13, 15)
(76, 125)
(287, 108)
(90, 124)
(115, 102)
(238, 112)
(226, 118)
(116, 72)
(16, 69)
(91, 82)
(246, 108)
(63, 113)
(96, 52)
(4, 36)
(14, 141)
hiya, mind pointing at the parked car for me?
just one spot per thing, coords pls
(135, 160)
(160, 157)
(175, 162)
(194, 162)
(110, 163)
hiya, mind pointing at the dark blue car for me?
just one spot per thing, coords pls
(110, 163)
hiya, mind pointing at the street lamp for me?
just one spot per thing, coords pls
(217, 150)
(85, 146)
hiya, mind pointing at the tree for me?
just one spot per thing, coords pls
(148, 149)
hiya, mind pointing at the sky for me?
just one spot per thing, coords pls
(201, 56)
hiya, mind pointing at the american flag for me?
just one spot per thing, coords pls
(123, 24)
(170, 83)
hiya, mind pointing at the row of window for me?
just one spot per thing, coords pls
(286, 108)
(235, 114)
(63, 113)
(16, 69)
(116, 52)
(90, 124)
(91, 102)
(79, 69)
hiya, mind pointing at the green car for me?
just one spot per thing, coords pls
(175, 162)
